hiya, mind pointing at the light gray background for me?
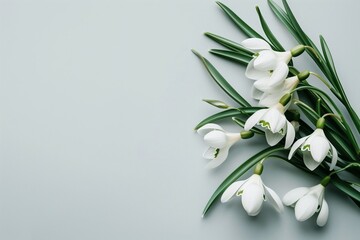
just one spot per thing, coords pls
(98, 100)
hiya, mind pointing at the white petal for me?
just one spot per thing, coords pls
(294, 195)
(256, 93)
(279, 75)
(252, 198)
(255, 44)
(216, 139)
(220, 158)
(272, 117)
(272, 138)
(269, 100)
(334, 157)
(265, 61)
(319, 148)
(254, 119)
(306, 207)
(255, 74)
(290, 134)
(309, 162)
(284, 57)
(231, 190)
(262, 84)
(296, 145)
(273, 199)
(208, 128)
(323, 214)
(280, 124)
(209, 153)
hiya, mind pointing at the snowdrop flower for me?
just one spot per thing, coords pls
(274, 123)
(219, 142)
(268, 64)
(308, 201)
(253, 193)
(315, 148)
(269, 96)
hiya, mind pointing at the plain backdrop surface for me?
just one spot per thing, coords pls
(98, 99)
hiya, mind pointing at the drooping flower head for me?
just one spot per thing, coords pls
(219, 142)
(274, 123)
(253, 193)
(269, 96)
(315, 148)
(308, 201)
(267, 64)
(269, 68)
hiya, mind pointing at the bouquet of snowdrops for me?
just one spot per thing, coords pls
(301, 123)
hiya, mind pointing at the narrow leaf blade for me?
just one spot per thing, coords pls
(228, 113)
(243, 26)
(229, 44)
(220, 80)
(233, 56)
(276, 44)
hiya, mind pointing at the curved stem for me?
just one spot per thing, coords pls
(344, 168)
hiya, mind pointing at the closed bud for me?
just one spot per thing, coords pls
(216, 103)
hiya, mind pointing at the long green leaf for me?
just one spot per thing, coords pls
(233, 56)
(330, 62)
(243, 168)
(220, 80)
(229, 44)
(228, 113)
(302, 38)
(243, 26)
(286, 21)
(295, 23)
(346, 188)
(281, 15)
(276, 44)
(232, 112)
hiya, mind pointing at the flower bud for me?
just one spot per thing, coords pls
(298, 50)
(216, 103)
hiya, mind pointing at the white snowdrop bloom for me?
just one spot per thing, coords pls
(253, 193)
(308, 201)
(274, 123)
(219, 142)
(267, 65)
(271, 96)
(315, 148)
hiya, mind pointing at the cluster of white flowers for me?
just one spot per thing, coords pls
(275, 91)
